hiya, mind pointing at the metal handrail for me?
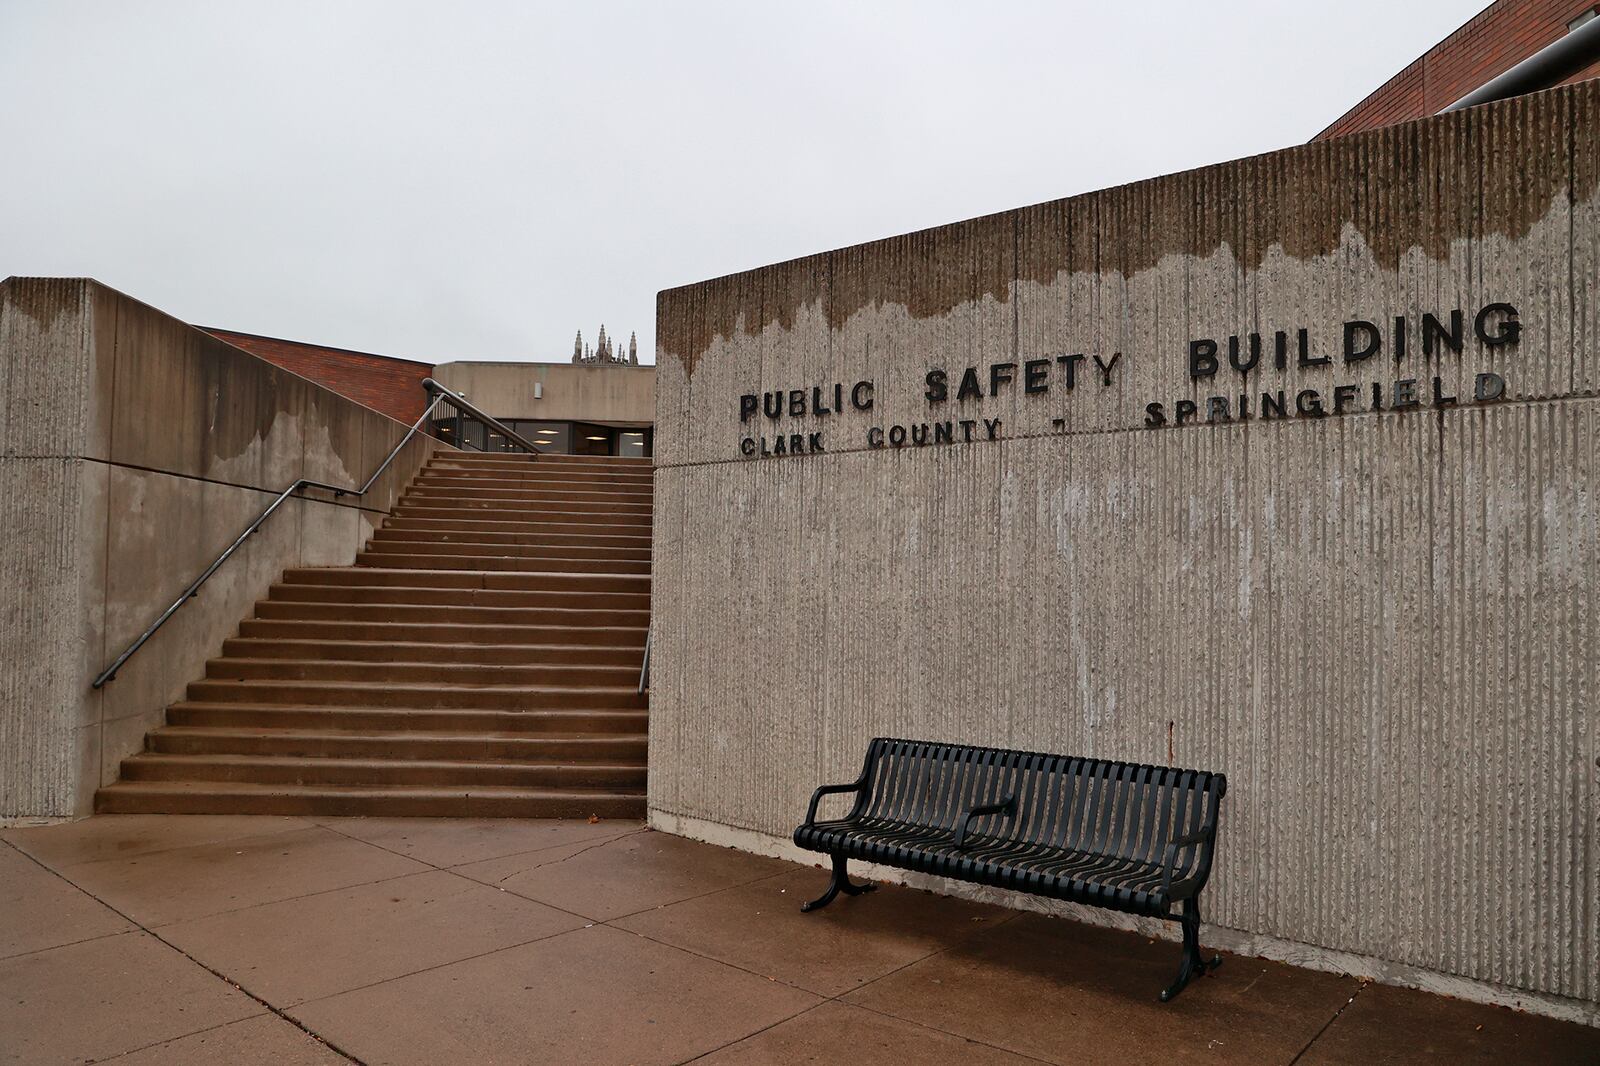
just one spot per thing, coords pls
(440, 395)
(458, 400)
(644, 668)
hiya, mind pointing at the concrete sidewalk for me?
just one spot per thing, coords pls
(173, 940)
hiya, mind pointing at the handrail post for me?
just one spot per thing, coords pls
(644, 668)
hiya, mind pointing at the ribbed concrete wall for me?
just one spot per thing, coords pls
(133, 449)
(1382, 625)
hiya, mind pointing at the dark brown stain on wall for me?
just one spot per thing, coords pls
(1491, 170)
(43, 299)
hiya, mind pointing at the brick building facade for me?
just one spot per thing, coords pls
(388, 385)
(1492, 42)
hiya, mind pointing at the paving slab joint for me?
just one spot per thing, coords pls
(141, 927)
(1361, 986)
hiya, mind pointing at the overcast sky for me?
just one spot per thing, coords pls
(478, 180)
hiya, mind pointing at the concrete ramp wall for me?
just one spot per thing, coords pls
(1287, 467)
(133, 449)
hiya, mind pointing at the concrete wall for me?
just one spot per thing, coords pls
(133, 449)
(571, 392)
(1384, 626)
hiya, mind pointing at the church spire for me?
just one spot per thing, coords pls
(606, 350)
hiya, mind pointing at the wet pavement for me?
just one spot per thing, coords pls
(147, 939)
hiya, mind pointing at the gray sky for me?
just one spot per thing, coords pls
(478, 180)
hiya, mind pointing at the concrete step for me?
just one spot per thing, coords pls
(473, 503)
(536, 496)
(431, 773)
(537, 491)
(557, 617)
(282, 715)
(568, 516)
(291, 593)
(562, 473)
(511, 563)
(379, 651)
(630, 527)
(537, 475)
(212, 797)
(419, 695)
(623, 749)
(398, 529)
(544, 458)
(466, 579)
(443, 632)
(537, 499)
(401, 544)
(571, 675)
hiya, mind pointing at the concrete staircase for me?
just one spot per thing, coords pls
(480, 659)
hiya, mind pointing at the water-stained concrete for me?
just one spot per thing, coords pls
(136, 448)
(1381, 623)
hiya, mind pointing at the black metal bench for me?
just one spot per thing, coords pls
(1124, 836)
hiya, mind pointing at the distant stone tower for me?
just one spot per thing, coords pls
(606, 352)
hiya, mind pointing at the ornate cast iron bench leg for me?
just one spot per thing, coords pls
(841, 883)
(1193, 965)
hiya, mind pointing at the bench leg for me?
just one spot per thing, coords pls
(841, 883)
(1193, 965)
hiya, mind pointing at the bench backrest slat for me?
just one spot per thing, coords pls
(893, 803)
(1096, 806)
(1166, 804)
(1133, 812)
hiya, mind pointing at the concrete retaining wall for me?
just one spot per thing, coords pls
(568, 392)
(133, 449)
(1382, 624)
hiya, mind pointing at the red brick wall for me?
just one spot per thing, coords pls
(391, 386)
(1492, 42)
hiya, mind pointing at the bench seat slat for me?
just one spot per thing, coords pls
(1090, 830)
(1077, 876)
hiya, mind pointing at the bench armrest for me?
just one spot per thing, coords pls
(1005, 806)
(828, 790)
(1203, 835)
